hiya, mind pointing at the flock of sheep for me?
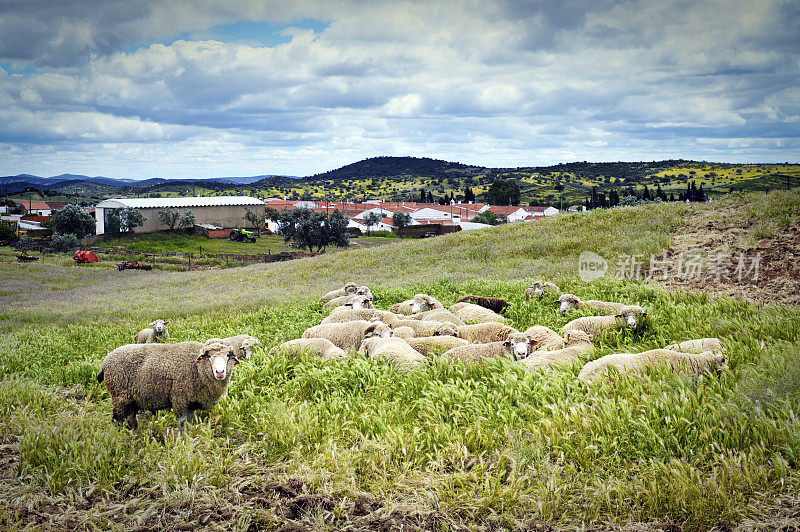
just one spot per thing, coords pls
(190, 376)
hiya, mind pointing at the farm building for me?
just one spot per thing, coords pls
(223, 211)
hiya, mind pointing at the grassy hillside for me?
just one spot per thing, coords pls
(359, 443)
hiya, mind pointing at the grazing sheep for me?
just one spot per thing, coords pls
(469, 312)
(428, 328)
(404, 307)
(697, 346)
(632, 316)
(428, 344)
(576, 343)
(157, 333)
(516, 346)
(243, 344)
(320, 347)
(355, 301)
(483, 333)
(184, 377)
(347, 290)
(538, 288)
(441, 315)
(423, 302)
(395, 349)
(348, 335)
(344, 314)
(403, 331)
(569, 302)
(495, 304)
(697, 363)
(546, 338)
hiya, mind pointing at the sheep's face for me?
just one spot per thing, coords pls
(519, 346)
(421, 303)
(575, 337)
(365, 291)
(566, 303)
(719, 363)
(378, 330)
(159, 326)
(537, 288)
(445, 329)
(218, 358)
(247, 346)
(632, 316)
(359, 302)
(350, 288)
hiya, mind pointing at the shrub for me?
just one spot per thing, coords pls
(64, 242)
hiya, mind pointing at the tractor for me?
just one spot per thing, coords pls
(242, 235)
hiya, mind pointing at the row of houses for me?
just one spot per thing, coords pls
(229, 211)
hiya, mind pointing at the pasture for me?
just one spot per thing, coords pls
(360, 444)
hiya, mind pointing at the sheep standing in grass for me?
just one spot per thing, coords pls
(361, 299)
(424, 302)
(546, 338)
(484, 333)
(632, 316)
(495, 304)
(517, 346)
(320, 347)
(184, 377)
(404, 307)
(697, 346)
(344, 314)
(157, 333)
(395, 349)
(348, 335)
(576, 344)
(428, 328)
(428, 344)
(569, 302)
(538, 289)
(697, 363)
(243, 344)
(348, 290)
(441, 315)
(469, 312)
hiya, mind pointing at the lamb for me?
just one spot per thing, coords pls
(546, 338)
(469, 312)
(403, 332)
(344, 314)
(348, 289)
(516, 346)
(428, 344)
(157, 333)
(631, 315)
(697, 363)
(569, 302)
(495, 304)
(484, 333)
(185, 377)
(395, 349)
(697, 346)
(243, 344)
(576, 343)
(423, 302)
(538, 289)
(320, 347)
(362, 295)
(441, 315)
(348, 335)
(428, 328)
(404, 307)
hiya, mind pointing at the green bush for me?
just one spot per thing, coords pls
(64, 242)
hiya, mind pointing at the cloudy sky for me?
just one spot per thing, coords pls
(205, 88)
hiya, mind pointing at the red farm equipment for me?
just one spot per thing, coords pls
(82, 256)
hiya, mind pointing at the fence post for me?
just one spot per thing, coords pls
(190, 261)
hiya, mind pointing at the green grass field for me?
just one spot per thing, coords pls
(450, 446)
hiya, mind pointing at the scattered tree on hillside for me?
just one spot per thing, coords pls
(371, 219)
(255, 220)
(468, 195)
(310, 229)
(72, 220)
(503, 192)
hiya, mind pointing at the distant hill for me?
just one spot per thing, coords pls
(399, 166)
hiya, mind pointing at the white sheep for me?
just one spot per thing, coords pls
(428, 328)
(403, 307)
(483, 333)
(348, 289)
(517, 346)
(428, 344)
(631, 315)
(538, 289)
(320, 347)
(361, 299)
(697, 363)
(567, 302)
(546, 338)
(699, 345)
(348, 335)
(344, 314)
(441, 315)
(576, 344)
(395, 349)
(470, 312)
(423, 302)
(403, 331)
(157, 333)
(184, 377)
(243, 344)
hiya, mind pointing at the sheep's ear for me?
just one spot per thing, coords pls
(644, 314)
(619, 316)
(166, 323)
(201, 356)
